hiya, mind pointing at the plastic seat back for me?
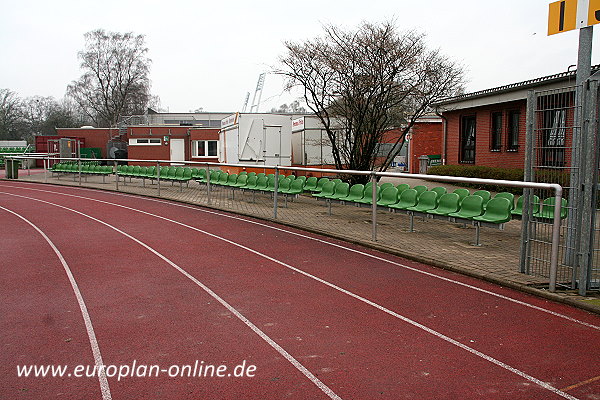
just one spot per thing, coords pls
(341, 190)
(297, 186)
(547, 209)
(440, 190)
(462, 193)
(320, 183)
(328, 189)
(251, 182)
(496, 212)
(223, 178)
(448, 203)
(402, 187)
(284, 185)
(420, 189)
(187, 174)
(311, 183)
(509, 196)
(261, 183)
(385, 185)
(389, 196)
(408, 198)
(427, 201)
(251, 174)
(485, 195)
(356, 192)
(242, 180)
(232, 179)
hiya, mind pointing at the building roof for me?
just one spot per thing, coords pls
(521, 87)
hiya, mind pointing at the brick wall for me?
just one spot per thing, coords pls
(502, 158)
(426, 139)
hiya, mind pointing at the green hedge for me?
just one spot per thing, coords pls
(474, 171)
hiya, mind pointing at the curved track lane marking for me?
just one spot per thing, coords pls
(327, 283)
(373, 256)
(229, 307)
(105, 389)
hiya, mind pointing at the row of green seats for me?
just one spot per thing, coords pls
(12, 150)
(86, 168)
(437, 201)
(289, 184)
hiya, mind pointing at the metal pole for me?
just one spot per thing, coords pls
(589, 195)
(79, 168)
(276, 184)
(528, 176)
(208, 183)
(158, 176)
(116, 174)
(555, 238)
(374, 207)
(584, 67)
(46, 162)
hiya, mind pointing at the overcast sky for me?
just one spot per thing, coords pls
(209, 54)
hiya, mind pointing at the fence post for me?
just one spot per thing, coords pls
(276, 184)
(527, 177)
(208, 183)
(158, 176)
(79, 169)
(116, 174)
(46, 162)
(590, 192)
(555, 239)
(374, 207)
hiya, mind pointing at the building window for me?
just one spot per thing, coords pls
(553, 150)
(512, 140)
(145, 142)
(496, 139)
(205, 148)
(467, 140)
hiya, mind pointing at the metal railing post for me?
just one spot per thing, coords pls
(208, 183)
(79, 168)
(276, 184)
(374, 207)
(555, 238)
(158, 176)
(528, 177)
(46, 163)
(116, 174)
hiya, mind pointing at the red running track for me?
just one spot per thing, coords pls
(167, 285)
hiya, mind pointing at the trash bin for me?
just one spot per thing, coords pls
(12, 168)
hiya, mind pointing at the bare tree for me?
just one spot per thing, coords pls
(361, 83)
(115, 80)
(293, 108)
(12, 125)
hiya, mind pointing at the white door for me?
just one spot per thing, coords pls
(177, 151)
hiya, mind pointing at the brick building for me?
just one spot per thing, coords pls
(487, 128)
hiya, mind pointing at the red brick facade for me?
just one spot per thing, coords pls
(484, 154)
(426, 138)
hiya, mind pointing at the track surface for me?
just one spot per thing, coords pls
(167, 284)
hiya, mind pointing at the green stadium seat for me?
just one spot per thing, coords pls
(320, 184)
(408, 198)
(356, 192)
(427, 201)
(509, 196)
(385, 185)
(241, 181)
(485, 195)
(327, 190)
(462, 193)
(311, 183)
(262, 183)
(440, 190)
(341, 190)
(518, 210)
(471, 206)
(251, 182)
(420, 189)
(402, 187)
(547, 209)
(496, 212)
(297, 187)
(389, 196)
(368, 195)
(448, 203)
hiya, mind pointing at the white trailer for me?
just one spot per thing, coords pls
(250, 138)
(310, 143)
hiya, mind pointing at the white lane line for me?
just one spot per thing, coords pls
(333, 286)
(229, 307)
(430, 274)
(104, 388)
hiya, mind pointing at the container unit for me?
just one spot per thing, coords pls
(310, 143)
(262, 139)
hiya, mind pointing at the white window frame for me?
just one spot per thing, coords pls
(195, 144)
(145, 142)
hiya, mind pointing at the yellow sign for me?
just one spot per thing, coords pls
(562, 16)
(594, 12)
(566, 15)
